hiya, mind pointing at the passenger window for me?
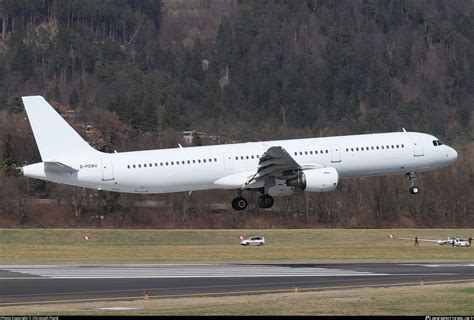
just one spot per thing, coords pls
(403, 146)
(144, 165)
(381, 147)
(194, 161)
(247, 157)
(306, 152)
(189, 162)
(301, 153)
(252, 157)
(316, 152)
(172, 163)
(204, 160)
(134, 167)
(161, 163)
(311, 152)
(156, 164)
(199, 160)
(352, 149)
(241, 157)
(166, 163)
(398, 146)
(296, 153)
(139, 165)
(215, 159)
(357, 149)
(372, 148)
(327, 151)
(128, 166)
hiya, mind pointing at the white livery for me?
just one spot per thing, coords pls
(273, 168)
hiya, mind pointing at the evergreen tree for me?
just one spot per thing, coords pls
(8, 163)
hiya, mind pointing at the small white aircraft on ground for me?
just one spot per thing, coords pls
(453, 241)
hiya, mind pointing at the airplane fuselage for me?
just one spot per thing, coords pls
(202, 168)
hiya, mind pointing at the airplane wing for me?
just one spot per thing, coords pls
(276, 162)
(428, 240)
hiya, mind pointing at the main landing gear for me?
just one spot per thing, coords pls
(239, 203)
(411, 178)
(264, 201)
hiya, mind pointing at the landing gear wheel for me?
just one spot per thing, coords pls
(239, 203)
(411, 178)
(265, 201)
(414, 190)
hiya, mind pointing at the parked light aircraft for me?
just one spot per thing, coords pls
(453, 241)
(273, 168)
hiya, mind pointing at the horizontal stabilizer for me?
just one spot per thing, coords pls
(58, 167)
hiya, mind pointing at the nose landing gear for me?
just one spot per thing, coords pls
(414, 189)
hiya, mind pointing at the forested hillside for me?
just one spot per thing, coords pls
(134, 74)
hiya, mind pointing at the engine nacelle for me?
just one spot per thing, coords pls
(316, 180)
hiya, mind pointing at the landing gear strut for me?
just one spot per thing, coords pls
(265, 201)
(239, 203)
(411, 178)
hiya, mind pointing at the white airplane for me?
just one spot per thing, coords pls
(454, 241)
(273, 168)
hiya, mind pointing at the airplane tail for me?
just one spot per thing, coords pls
(53, 135)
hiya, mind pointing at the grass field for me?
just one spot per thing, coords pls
(59, 246)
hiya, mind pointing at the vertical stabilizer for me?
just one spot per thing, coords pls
(53, 135)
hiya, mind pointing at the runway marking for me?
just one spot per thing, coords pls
(438, 265)
(198, 271)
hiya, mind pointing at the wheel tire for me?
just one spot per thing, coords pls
(268, 201)
(265, 201)
(414, 190)
(239, 204)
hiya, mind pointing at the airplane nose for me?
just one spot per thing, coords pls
(453, 155)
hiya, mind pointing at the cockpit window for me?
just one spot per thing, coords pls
(437, 143)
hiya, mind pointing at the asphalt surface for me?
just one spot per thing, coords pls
(38, 284)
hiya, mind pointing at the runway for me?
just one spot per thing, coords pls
(32, 284)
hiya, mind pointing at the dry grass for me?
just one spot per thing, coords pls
(58, 246)
(445, 299)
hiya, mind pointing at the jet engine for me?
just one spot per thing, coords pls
(315, 180)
